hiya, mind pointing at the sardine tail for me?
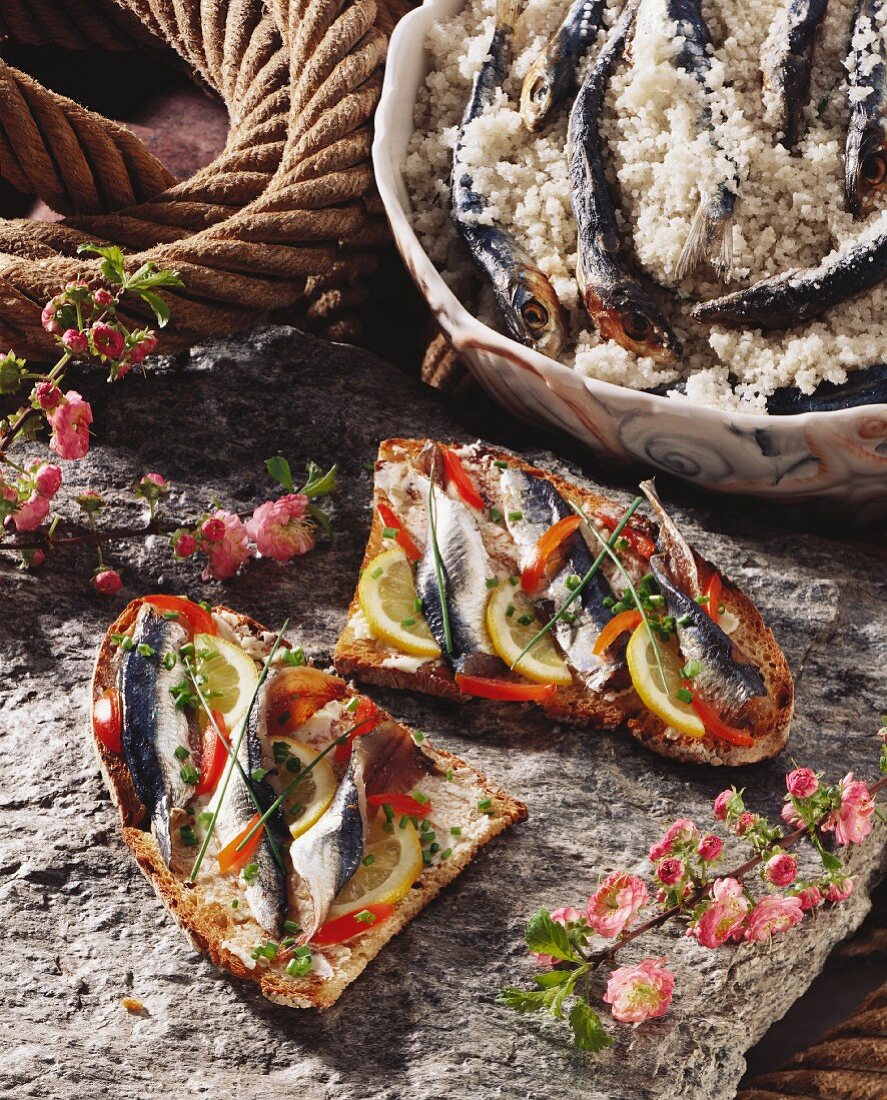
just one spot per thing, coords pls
(711, 239)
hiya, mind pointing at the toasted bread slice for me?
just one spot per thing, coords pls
(358, 654)
(205, 914)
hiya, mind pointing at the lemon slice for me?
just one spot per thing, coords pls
(313, 795)
(387, 595)
(648, 682)
(391, 864)
(231, 677)
(512, 625)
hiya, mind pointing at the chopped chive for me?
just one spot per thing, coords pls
(433, 848)
(205, 818)
(281, 751)
(187, 650)
(510, 610)
(189, 774)
(235, 903)
(485, 804)
(127, 645)
(294, 657)
(455, 830)
(404, 821)
(449, 775)
(168, 660)
(250, 872)
(377, 572)
(446, 853)
(525, 620)
(500, 464)
(171, 615)
(352, 704)
(417, 604)
(368, 861)
(366, 917)
(189, 838)
(492, 582)
(407, 622)
(691, 670)
(258, 774)
(181, 753)
(514, 580)
(390, 532)
(495, 515)
(291, 927)
(573, 582)
(420, 797)
(702, 600)
(146, 650)
(684, 695)
(684, 620)
(299, 966)
(418, 737)
(294, 764)
(426, 858)
(515, 516)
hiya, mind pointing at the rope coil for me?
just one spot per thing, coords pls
(284, 218)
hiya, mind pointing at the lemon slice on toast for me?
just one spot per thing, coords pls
(647, 681)
(309, 799)
(512, 625)
(387, 596)
(231, 677)
(391, 864)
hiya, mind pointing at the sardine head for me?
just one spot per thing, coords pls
(535, 314)
(537, 94)
(629, 319)
(865, 167)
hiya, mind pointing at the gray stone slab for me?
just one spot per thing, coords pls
(82, 928)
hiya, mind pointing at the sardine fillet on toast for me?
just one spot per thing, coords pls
(591, 699)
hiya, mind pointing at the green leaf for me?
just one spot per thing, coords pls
(320, 516)
(112, 260)
(549, 938)
(587, 1028)
(279, 469)
(523, 1000)
(551, 978)
(161, 309)
(562, 991)
(319, 484)
(148, 276)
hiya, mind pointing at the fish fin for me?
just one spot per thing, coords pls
(507, 12)
(710, 238)
(160, 823)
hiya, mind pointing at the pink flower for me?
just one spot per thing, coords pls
(107, 341)
(184, 544)
(781, 869)
(681, 831)
(722, 804)
(559, 916)
(108, 582)
(710, 848)
(143, 348)
(809, 897)
(227, 554)
(48, 395)
(102, 298)
(641, 992)
(49, 318)
(839, 891)
(156, 479)
(773, 914)
(670, 871)
(213, 529)
(281, 529)
(744, 822)
(33, 559)
(851, 821)
(70, 426)
(32, 513)
(613, 905)
(724, 917)
(48, 480)
(75, 341)
(801, 783)
(791, 816)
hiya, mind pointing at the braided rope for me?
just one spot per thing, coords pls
(284, 218)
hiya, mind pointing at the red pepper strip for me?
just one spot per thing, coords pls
(619, 624)
(401, 804)
(716, 725)
(456, 473)
(348, 926)
(487, 688)
(366, 718)
(106, 720)
(191, 615)
(714, 596)
(403, 540)
(642, 545)
(546, 546)
(212, 761)
(232, 860)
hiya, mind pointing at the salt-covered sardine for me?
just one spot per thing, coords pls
(621, 309)
(553, 75)
(711, 230)
(153, 728)
(531, 506)
(864, 386)
(266, 890)
(528, 302)
(787, 60)
(800, 294)
(865, 156)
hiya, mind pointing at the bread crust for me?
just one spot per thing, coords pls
(205, 924)
(362, 658)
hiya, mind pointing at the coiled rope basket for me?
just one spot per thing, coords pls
(285, 218)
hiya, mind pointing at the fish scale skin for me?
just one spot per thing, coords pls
(867, 130)
(787, 59)
(152, 726)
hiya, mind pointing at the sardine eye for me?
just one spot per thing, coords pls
(636, 326)
(874, 169)
(535, 315)
(539, 90)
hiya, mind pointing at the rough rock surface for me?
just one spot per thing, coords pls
(82, 929)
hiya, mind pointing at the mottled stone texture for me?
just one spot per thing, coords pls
(82, 928)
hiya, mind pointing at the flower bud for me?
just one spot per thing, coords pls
(47, 395)
(801, 783)
(710, 847)
(670, 871)
(102, 298)
(722, 804)
(107, 341)
(48, 479)
(213, 529)
(107, 581)
(745, 822)
(183, 544)
(75, 341)
(781, 869)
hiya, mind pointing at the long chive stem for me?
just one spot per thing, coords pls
(230, 769)
(438, 562)
(631, 588)
(583, 584)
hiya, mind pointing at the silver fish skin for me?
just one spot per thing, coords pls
(152, 727)
(540, 506)
(466, 569)
(266, 894)
(727, 678)
(526, 299)
(865, 155)
(681, 560)
(617, 303)
(787, 61)
(711, 230)
(552, 76)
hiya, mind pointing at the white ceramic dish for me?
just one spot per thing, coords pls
(837, 460)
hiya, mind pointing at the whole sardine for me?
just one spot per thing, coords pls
(528, 303)
(787, 60)
(799, 294)
(621, 309)
(864, 386)
(153, 728)
(531, 506)
(266, 890)
(865, 157)
(552, 76)
(711, 230)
